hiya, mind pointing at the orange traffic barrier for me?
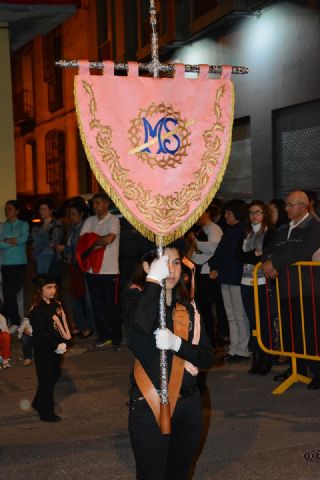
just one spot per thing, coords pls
(291, 317)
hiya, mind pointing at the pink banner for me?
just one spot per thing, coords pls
(158, 146)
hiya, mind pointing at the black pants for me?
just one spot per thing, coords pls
(102, 289)
(12, 280)
(48, 368)
(208, 292)
(247, 296)
(165, 457)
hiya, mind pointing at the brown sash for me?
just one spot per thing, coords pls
(181, 321)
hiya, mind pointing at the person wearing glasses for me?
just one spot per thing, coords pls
(258, 234)
(298, 240)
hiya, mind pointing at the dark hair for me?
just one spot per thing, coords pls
(139, 275)
(14, 203)
(217, 202)
(79, 204)
(215, 209)
(37, 296)
(282, 214)
(101, 196)
(239, 208)
(266, 216)
(45, 201)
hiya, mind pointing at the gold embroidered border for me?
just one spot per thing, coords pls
(167, 209)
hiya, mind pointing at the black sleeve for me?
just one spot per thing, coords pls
(142, 309)
(279, 236)
(250, 257)
(268, 238)
(201, 355)
(218, 257)
(245, 257)
(139, 334)
(302, 250)
(43, 332)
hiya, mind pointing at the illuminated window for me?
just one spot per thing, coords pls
(52, 51)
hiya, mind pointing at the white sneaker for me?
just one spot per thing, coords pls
(6, 364)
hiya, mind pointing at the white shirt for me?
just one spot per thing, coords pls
(108, 224)
(293, 225)
(208, 248)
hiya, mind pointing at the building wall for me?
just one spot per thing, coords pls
(78, 42)
(7, 163)
(281, 48)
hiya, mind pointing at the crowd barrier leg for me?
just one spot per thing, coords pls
(295, 377)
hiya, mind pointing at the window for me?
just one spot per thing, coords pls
(52, 51)
(104, 45)
(237, 181)
(296, 148)
(162, 20)
(202, 7)
(56, 161)
(84, 170)
(31, 166)
(130, 29)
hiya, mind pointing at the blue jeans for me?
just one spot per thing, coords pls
(43, 262)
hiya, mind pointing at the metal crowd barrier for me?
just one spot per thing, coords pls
(287, 313)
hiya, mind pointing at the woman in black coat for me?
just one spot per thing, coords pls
(157, 455)
(50, 333)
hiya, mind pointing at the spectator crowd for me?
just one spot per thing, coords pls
(92, 253)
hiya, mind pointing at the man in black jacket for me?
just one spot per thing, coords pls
(297, 241)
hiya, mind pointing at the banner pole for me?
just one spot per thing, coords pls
(165, 417)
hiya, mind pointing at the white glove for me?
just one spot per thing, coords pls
(159, 269)
(62, 348)
(166, 340)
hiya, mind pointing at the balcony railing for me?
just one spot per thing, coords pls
(23, 107)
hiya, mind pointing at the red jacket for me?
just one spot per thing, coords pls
(88, 256)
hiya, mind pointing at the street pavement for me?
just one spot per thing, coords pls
(250, 433)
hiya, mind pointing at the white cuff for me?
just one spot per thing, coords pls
(176, 343)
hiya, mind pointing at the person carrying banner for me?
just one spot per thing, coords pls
(157, 455)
